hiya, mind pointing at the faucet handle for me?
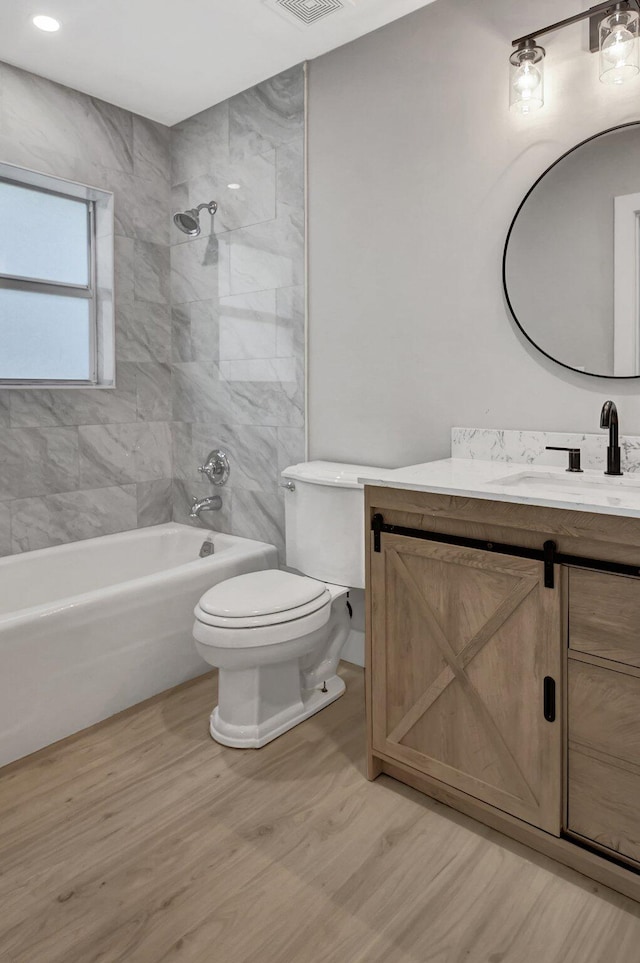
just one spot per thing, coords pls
(216, 467)
(574, 456)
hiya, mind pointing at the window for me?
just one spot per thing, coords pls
(56, 315)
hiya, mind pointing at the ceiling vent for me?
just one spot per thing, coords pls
(307, 12)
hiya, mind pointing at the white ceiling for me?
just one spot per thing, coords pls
(169, 59)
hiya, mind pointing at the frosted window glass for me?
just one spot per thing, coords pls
(44, 336)
(43, 236)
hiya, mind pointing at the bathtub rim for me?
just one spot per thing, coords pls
(239, 547)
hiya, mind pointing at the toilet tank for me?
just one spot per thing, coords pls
(324, 519)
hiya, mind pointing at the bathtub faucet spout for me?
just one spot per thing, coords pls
(212, 503)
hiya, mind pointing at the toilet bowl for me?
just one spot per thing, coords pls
(276, 636)
(276, 639)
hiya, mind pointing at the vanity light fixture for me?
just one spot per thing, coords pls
(48, 24)
(613, 31)
(618, 35)
(526, 86)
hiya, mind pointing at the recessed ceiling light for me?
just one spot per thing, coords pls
(48, 24)
(233, 187)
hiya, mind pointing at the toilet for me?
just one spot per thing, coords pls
(276, 636)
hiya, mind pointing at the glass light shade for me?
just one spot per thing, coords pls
(526, 79)
(619, 47)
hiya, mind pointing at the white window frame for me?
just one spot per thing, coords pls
(100, 289)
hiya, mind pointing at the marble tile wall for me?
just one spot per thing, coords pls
(529, 447)
(75, 463)
(209, 331)
(237, 329)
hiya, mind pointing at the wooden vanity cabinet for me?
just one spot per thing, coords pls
(505, 687)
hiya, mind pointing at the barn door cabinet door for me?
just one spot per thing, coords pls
(462, 641)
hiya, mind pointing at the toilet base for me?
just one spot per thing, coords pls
(256, 736)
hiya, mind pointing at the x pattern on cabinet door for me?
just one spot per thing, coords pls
(471, 624)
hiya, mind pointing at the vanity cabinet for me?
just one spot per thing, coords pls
(504, 682)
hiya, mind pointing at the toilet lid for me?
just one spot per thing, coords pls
(270, 592)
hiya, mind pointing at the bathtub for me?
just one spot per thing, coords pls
(93, 627)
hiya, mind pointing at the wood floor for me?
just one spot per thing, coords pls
(141, 840)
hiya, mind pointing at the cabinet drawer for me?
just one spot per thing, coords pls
(604, 711)
(604, 757)
(604, 615)
(603, 804)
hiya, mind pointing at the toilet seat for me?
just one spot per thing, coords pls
(259, 601)
(259, 594)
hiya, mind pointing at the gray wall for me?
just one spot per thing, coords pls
(416, 167)
(238, 303)
(81, 462)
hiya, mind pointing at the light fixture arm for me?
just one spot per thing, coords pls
(597, 13)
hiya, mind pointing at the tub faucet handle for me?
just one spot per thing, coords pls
(216, 467)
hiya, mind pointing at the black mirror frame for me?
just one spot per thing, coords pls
(587, 140)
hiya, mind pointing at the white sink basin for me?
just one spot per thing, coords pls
(572, 482)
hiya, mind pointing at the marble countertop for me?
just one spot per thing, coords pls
(521, 484)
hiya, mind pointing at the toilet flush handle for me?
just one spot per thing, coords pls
(289, 485)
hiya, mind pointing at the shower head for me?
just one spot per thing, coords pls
(189, 221)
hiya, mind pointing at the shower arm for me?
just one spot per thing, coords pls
(212, 207)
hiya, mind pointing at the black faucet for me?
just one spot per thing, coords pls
(609, 419)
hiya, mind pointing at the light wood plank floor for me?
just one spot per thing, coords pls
(141, 840)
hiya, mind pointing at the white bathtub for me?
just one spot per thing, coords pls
(93, 627)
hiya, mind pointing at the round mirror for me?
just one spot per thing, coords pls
(571, 267)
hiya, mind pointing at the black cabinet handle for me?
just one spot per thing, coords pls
(549, 697)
